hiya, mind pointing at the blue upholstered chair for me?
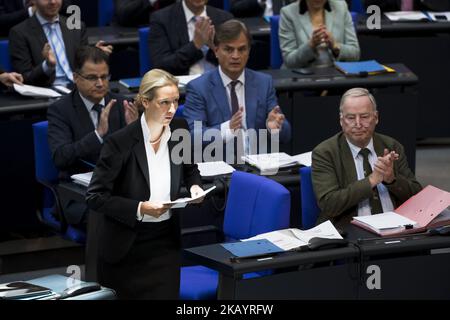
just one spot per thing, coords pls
(310, 209)
(5, 61)
(105, 12)
(226, 5)
(144, 52)
(255, 205)
(47, 175)
(357, 6)
(179, 112)
(276, 59)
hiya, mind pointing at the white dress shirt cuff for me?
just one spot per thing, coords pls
(225, 131)
(98, 136)
(139, 216)
(30, 11)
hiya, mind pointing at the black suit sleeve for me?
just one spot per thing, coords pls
(100, 194)
(175, 61)
(21, 60)
(66, 152)
(246, 8)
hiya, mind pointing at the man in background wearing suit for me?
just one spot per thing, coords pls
(232, 98)
(13, 12)
(79, 122)
(42, 48)
(136, 13)
(181, 37)
(357, 171)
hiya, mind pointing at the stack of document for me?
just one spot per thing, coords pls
(423, 211)
(288, 239)
(398, 16)
(270, 163)
(36, 92)
(23, 291)
(82, 178)
(215, 168)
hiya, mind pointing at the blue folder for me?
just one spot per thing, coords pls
(131, 83)
(357, 68)
(251, 247)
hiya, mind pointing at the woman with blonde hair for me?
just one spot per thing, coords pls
(138, 235)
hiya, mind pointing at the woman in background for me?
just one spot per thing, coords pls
(317, 32)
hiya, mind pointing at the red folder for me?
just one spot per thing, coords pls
(425, 208)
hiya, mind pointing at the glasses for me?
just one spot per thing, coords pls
(364, 118)
(93, 78)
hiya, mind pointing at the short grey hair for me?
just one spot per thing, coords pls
(357, 92)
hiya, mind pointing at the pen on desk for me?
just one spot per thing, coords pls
(394, 241)
(268, 255)
(255, 256)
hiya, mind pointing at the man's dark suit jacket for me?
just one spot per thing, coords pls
(26, 42)
(121, 180)
(71, 133)
(251, 8)
(170, 48)
(335, 183)
(396, 5)
(136, 13)
(13, 12)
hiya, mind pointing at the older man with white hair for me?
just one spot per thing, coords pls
(358, 171)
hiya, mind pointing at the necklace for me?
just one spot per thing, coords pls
(156, 141)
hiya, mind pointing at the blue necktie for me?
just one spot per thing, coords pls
(57, 45)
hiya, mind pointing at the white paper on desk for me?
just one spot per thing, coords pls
(406, 16)
(324, 230)
(183, 202)
(283, 239)
(269, 161)
(386, 220)
(184, 80)
(288, 239)
(82, 178)
(304, 158)
(38, 92)
(62, 89)
(214, 168)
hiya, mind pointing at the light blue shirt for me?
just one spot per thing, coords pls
(364, 206)
(61, 77)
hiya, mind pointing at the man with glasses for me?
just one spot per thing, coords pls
(79, 122)
(357, 171)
